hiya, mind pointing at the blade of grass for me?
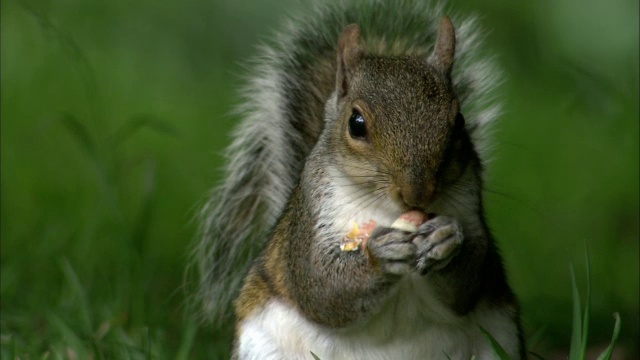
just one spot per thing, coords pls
(576, 336)
(142, 225)
(90, 148)
(314, 355)
(186, 343)
(74, 53)
(76, 288)
(80, 133)
(57, 353)
(148, 343)
(97, 352)
(498, 350)
(13, 348)
(585, 321)
(68, 336)
(131, 127)
(535, 355)
(535, 338)
(606, 354)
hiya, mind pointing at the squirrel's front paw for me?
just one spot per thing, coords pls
(392, 251)
(438, 241)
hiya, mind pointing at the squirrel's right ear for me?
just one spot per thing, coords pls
(445, 49)
(349, 54)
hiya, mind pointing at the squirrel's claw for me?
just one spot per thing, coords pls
(438, 241)
(392, 251)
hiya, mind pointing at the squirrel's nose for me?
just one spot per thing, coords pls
(418, 195)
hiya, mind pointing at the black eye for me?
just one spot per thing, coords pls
(357, 125)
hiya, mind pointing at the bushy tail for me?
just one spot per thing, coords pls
(257, 179)
(282, 117)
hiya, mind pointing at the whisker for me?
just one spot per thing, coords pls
(515, 199)
(373, 200)
(453, 201)
(373, 182)
(359, 176)
(367, 192)
(365, 203)
(364, 168)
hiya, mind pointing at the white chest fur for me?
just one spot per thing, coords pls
(404, 329)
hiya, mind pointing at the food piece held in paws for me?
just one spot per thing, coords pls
(404, 225)
(357, 236)
(350, 245)
(354, 233)
(410, 221)
(367, 229)
(352, 241)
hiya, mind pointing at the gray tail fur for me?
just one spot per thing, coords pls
(282, 117)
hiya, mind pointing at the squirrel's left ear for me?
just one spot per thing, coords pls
(349, 54)
(445, 49)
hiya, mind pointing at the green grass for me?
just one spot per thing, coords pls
(114, 116)
(579, 326)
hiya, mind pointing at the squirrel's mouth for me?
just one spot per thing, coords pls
(400, 200)
(429, 215)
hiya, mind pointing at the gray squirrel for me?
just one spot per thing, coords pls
(355, 113)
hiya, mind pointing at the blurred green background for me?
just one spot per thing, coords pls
(115, 113)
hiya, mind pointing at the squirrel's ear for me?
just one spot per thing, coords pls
(349, 54)
(443, 54)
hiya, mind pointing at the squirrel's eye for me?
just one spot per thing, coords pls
(357, 125)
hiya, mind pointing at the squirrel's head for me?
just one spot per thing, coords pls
(397, 119)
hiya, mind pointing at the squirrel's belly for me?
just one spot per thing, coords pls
(280, 332)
